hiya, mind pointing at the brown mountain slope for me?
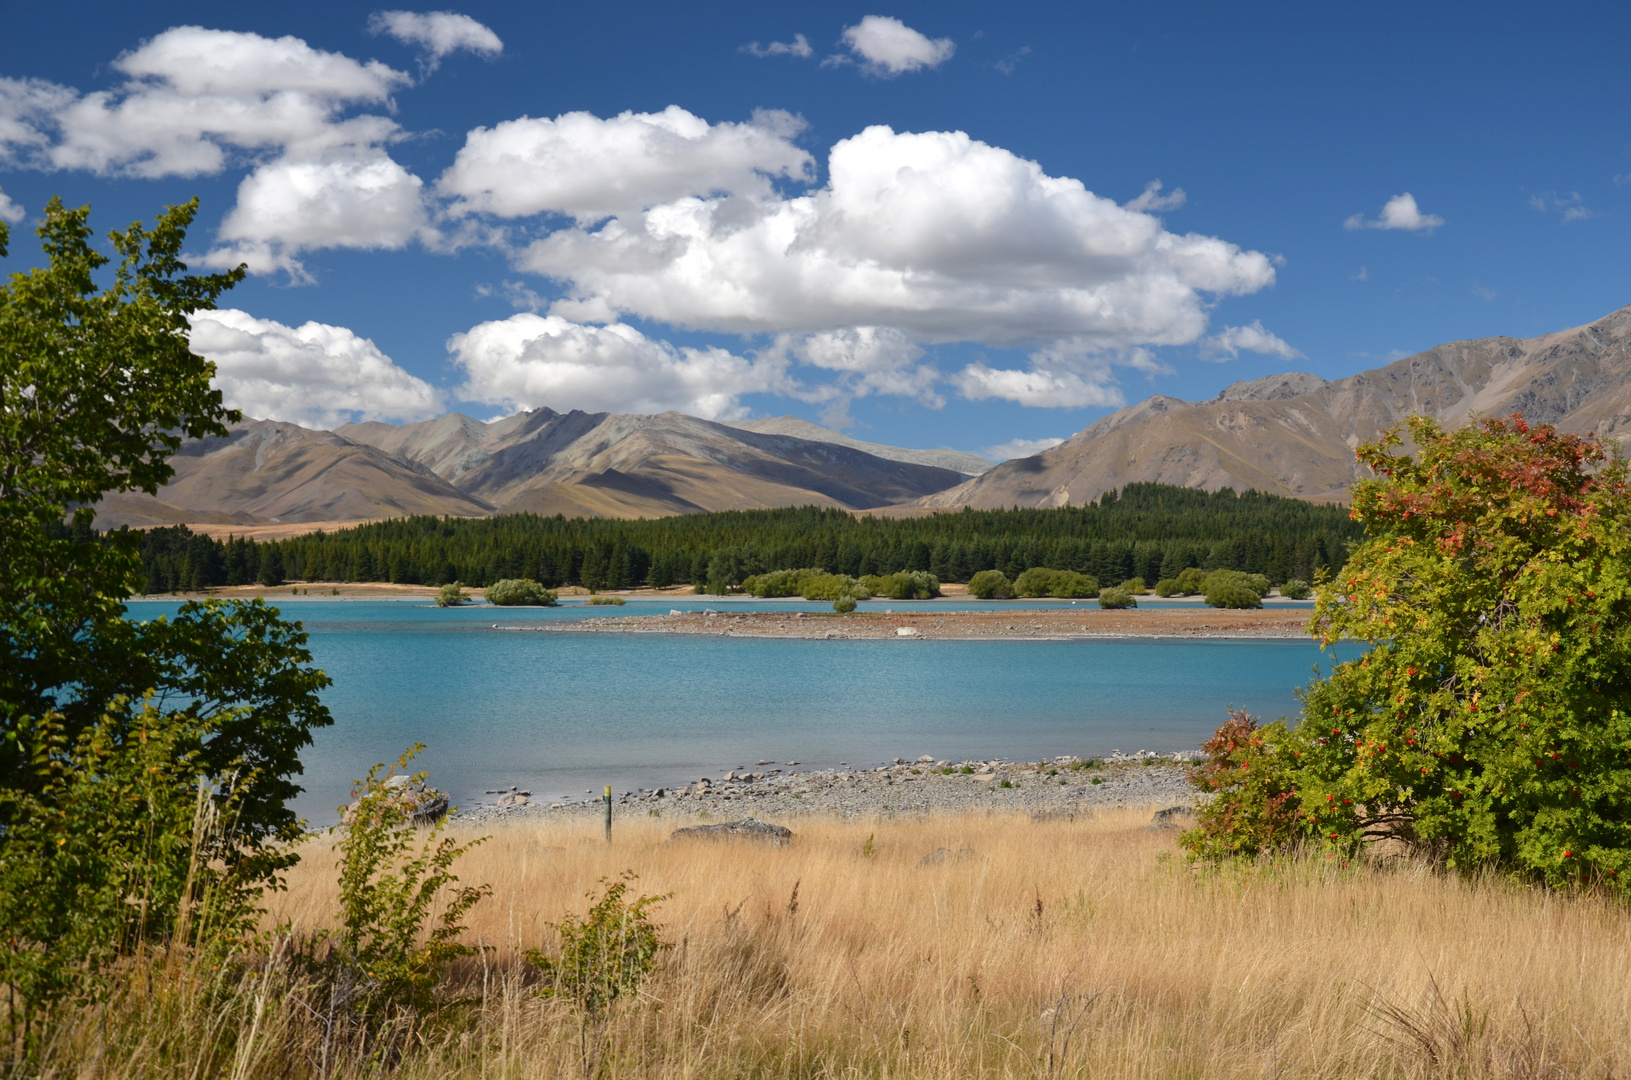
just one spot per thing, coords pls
(1294, 434)
(941, 457)
(272, 472)
(613, 465)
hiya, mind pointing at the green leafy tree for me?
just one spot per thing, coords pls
(1115, 597)
(98, 388)
(1490, 720)
(451, 595)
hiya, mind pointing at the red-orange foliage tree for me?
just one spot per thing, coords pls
(1490, 720)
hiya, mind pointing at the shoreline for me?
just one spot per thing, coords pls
(1033, 624)
(1060, 788)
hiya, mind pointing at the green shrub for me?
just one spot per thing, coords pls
(990, 585)
(1135, 586)
(1296, 589)
(1233, 589)
(1167, 587)
(602, 958)
(1489, 722)
(778, 583)
(390, 894)
(124, 811)
(844, 605)
(1037, 581)
(606, 601)
(1114, 597)
(519, 592)
(1067, 584)
(1253, 806)
(451, 595)
(833, 587)
(903, 585)
(1191, 580)
(1231, 594)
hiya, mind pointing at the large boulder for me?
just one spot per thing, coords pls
(743, 829)
(425, 805)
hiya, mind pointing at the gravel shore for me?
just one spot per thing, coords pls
(1033, 624)
(1057, 787)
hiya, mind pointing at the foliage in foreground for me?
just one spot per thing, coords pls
(390, 893)
(1490, 720)
(602, 958)
(145, 768)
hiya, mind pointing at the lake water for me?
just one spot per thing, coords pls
(562, 714)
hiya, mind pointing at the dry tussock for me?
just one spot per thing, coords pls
(1057, 949)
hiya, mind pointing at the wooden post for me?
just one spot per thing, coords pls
(608, 813)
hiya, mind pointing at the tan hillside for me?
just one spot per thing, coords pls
(941, 457)
(269, 472)
(1294, 434)
(614, 465)
(578, 464)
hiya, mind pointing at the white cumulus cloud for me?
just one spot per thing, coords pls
(10, 212)
(871, 360)
(587, 168)
(888, 47)
(938, 235)
(363, 200)
(1399, 212)
(437, 33)
(1019, 448)
(1039, 387)
(196, 95)
(315, 375)
(798, 47)
(528, 360)
(196, 102)
(1227, 343)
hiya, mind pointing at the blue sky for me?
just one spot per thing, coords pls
(923, 224)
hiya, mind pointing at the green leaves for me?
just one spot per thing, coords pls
(388, 891)
(123, 824)
(1488, 722)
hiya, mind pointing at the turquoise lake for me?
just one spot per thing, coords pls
(562, 714)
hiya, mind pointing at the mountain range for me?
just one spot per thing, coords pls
(575, 463)
(1294, 434)
(1291, 434)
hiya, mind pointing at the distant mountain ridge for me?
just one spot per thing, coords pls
(1294, 434)
(941, 457)
(575, 463)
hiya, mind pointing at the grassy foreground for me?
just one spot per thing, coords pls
(1053, 949)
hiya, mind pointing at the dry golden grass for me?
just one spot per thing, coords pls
(980, 967)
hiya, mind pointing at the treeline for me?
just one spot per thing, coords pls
(1152, 531)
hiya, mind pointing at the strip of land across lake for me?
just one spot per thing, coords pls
(1011, 623)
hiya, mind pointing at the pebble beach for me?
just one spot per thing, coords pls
(1059, 787)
